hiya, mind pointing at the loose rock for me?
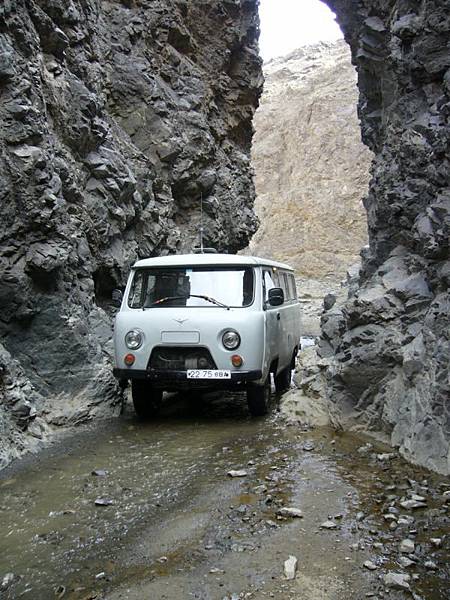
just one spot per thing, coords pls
(328, 525)
(7, 580)
(103, 502)
(407, 546)
(237, 473)
(308, 446)
(412, 504)
(406, 562)
(290, 512)
(290, 567)
(397, 581)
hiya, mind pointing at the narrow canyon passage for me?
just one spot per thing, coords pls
(131, 510)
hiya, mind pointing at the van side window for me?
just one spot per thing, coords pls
(287, 291)
(268, 283)
(293, 286)
(275, 278)
(135, 297)
(283, 286)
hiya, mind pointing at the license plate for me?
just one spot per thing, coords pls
(208, 374)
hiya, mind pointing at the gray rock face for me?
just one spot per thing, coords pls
(390, 342)
(115, 119)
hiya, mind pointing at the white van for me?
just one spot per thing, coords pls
(207, 321)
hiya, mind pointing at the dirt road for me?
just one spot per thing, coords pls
(148, 511)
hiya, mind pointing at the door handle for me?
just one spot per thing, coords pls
(278, 316)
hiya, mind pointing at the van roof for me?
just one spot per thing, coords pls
(208, 259)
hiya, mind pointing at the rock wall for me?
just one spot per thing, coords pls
(388, 347)
(311, 167)
(311, 171)
(115, 118)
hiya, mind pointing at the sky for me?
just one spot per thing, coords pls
(289, 24)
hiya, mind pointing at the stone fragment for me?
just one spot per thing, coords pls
(99, 472)
(417, 498)
(260, 489)
(389, 517)
(271, 523)
(290, 511)
(237, 473)
(436, 542)
(103, 502)
(368, 564)
(386, 456)
(376, 24)
(290, 567)
(407, 26)
(365, 450)
(407, 546)
(397, 581)
(405, 520)
(329, 301)
(412, 504)
(308, 446)
(7, 580)
(328, 525)
(7, 61)
(405, 561)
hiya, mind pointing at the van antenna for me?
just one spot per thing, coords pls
(201, 222)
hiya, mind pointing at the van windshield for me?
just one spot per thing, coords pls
(192, 286)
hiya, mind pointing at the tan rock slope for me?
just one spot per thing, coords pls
(311, 167)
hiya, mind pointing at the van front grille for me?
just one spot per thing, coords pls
(180, 358)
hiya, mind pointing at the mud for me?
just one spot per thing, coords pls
(174, 525)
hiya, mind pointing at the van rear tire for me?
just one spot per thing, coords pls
(146, 399)
(258, 399)
(283, 380)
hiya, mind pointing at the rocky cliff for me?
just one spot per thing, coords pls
(386, 352)
(311, 170)
(115, 118)
(311, 167)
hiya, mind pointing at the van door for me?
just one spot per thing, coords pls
(273, 321)
(284, 335)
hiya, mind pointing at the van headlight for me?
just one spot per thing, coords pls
(134, 339)
(231, 339)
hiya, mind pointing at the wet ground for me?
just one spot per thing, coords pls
(131, 510)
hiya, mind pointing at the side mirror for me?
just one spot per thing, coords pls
(276, 297)
(117, 297)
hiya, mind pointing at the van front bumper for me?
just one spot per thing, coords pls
(178, 379)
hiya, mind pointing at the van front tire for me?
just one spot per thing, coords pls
(258, 399)
(146, 400)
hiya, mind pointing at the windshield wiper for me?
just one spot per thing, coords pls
(212, 300)
(207, 298)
